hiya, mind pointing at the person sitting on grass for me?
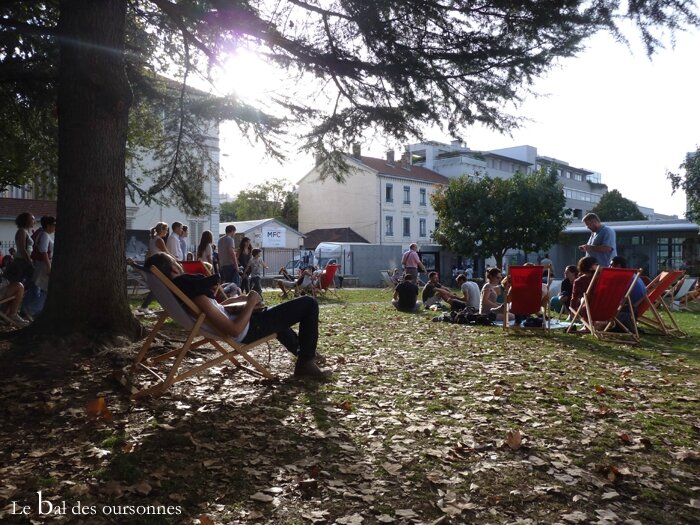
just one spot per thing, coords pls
(489, 295)
(560, 303)
(434, 292)
(406, 295)
(460, 303)
(245, 321)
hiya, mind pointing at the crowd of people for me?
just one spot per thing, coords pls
(599, 250)
(26, 269)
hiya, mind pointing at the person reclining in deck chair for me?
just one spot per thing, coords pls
(247, 323)
(304, 283)
(636, 295)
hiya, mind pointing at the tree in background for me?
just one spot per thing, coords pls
(690, 183)
(485, 217)
(614, 207)
(390, 66)
(227, 212)
(275, 199)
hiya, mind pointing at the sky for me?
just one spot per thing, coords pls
(611, 110)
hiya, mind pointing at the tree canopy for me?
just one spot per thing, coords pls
(274, 199)
(614, 207)
(484, 217)
(74, 73)
(690, 183)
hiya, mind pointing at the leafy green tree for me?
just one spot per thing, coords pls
(273, 199)
(690, 183)
(483, 216)
(227, 212)
(614, 207)
(80, 66)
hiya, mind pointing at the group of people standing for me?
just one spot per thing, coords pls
(26, 270)
(241, 267)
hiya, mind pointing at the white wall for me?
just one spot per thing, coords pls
(351, 204)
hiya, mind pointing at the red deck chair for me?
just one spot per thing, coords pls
(648, 307)
(524, 294)
(607, 294)
(327, 279)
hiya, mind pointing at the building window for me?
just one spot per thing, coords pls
(423, 197)
(578, 176)
(407, 195)
(389, 226)
(422, 230)
(389, 193)
(406, 227)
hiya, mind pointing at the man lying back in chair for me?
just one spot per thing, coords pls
(245, 321)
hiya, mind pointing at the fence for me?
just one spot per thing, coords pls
(275, 258)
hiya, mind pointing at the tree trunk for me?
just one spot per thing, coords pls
(87, 290)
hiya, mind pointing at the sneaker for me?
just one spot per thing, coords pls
(144, 310)
(310, 370)
(15, 318)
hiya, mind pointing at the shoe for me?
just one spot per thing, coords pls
(144, 310)
(15, 318)
(309, 369)
(27, 317)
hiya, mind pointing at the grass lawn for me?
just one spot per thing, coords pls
(423, 422)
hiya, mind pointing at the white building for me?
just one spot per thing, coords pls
(383, 200)
(265, 233)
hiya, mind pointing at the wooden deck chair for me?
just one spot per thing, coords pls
(647, 308)
(682, 293)
(607, 294)
(327, 280)
(524, 294)
(187, 314)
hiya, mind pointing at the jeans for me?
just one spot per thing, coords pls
(34, 300)
(229, 274)
(255, 284)
(148, 300)
(280, 319)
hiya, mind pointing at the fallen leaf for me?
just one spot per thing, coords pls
(514, 439)
(97, 409)
(259, 496)
(205, 520)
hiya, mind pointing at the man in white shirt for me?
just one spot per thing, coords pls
(173, 243)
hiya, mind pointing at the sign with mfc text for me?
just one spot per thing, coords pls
(274, 237)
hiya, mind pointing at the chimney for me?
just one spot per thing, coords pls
(456, 143)
(390, 157)
(356, 151)
(406, 160)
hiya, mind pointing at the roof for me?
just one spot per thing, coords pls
(10, 208)
(672, 225)
(247, 226)
(315, 237)
(396, 170)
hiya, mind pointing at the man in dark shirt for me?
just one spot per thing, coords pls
(433, 291)
(406, 295)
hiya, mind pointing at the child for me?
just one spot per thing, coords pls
(255, 267)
